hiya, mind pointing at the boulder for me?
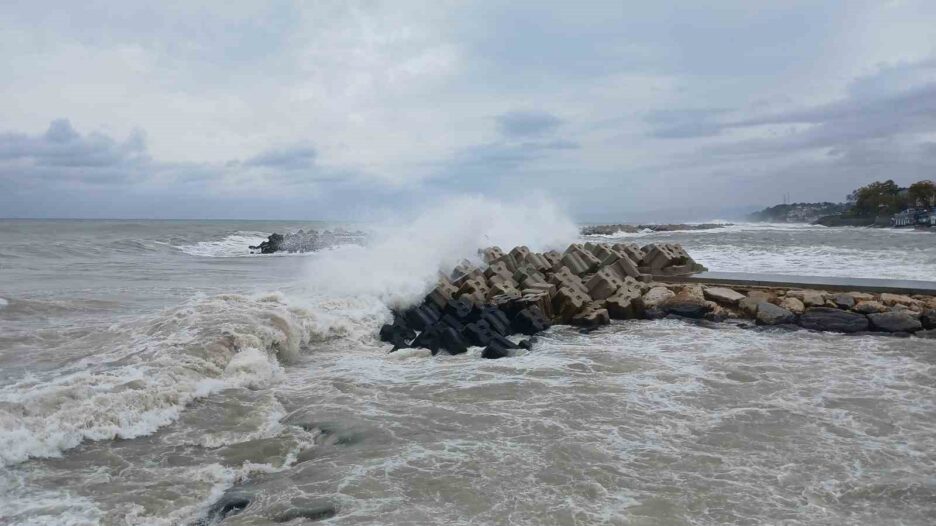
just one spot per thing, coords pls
(770, 314)
(654, 297)
(793, 305)
(495, 350)
(591, 318)
(833, 320)
(928, 319)
(810, 298)
(894, 321)
(860, 296)
(843, 301)
(722, 295)
(869, 307)
(686, 305)
(898, 299)
(929, 334)
(749, 304)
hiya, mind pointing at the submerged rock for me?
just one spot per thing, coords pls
(894, 321)
(833, 320)
(770, 314)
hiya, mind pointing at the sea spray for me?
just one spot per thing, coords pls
(401, 263)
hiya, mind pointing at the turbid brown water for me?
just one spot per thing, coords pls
(147, 380)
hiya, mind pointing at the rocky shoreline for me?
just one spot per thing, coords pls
(523, 293)
(608, 230)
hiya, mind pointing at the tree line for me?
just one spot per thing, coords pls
(882, 198)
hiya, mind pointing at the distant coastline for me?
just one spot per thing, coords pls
(879, 204)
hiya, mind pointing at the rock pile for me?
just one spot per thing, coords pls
(588, 285)
(524, 292)
(609, 230)
(302, 241)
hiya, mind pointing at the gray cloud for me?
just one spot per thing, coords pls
(683, 124)
(301, 157)
(527, 123)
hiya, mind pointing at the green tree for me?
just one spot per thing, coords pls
(877, 198)
(922, 193)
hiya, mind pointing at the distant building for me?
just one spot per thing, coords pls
(915, 217)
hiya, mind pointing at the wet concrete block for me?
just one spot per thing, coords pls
(591, 318)
(529, 321)
(451, 341)
(478, 333)
(442, 293)
(569, 302)
(603, 284)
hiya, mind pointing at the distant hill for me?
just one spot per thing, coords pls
(798, 212)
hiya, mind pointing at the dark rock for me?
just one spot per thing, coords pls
(274, 243)
(495, 350)
(833, 320)
(654, 313)
(231, 503)
(496, 319)
(686, 306)
(529, 321)
(478, 333)
(591, 319)
(843, 301)
(397, 333)
(894, 321)
(301, 241)
(420, 317)
(430, 338)
(451, 341)
(463, 310)
(929, 334)
(452, 321)
(928, 319)
(526, 344)
(770, 314)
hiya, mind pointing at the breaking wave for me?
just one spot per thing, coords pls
(153, 371)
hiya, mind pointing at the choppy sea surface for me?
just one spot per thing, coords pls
(154, 372)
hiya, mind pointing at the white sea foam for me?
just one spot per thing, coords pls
(3, 303)
(234, 245)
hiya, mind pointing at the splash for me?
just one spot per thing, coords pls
(403, 261)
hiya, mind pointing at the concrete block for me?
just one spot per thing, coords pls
(568, 302)
(498, 268)
(574, 263)
(538, 261)
(625, 267)
(591, 318)
(442, 293)
(622, 306)
(519, 253)
(540, 300)
(548, 288)
(491, 254)
(553, 256)
(565, 278)
(632, 250)
(604, 284)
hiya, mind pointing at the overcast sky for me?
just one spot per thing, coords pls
(336, 110)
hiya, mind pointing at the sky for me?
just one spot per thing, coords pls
(344, 110)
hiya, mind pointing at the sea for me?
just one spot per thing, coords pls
(158, 372)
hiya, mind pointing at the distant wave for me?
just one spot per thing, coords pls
(234, 245)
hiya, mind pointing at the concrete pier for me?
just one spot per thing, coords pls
(742, 279)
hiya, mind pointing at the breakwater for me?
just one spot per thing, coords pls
(523, 292)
